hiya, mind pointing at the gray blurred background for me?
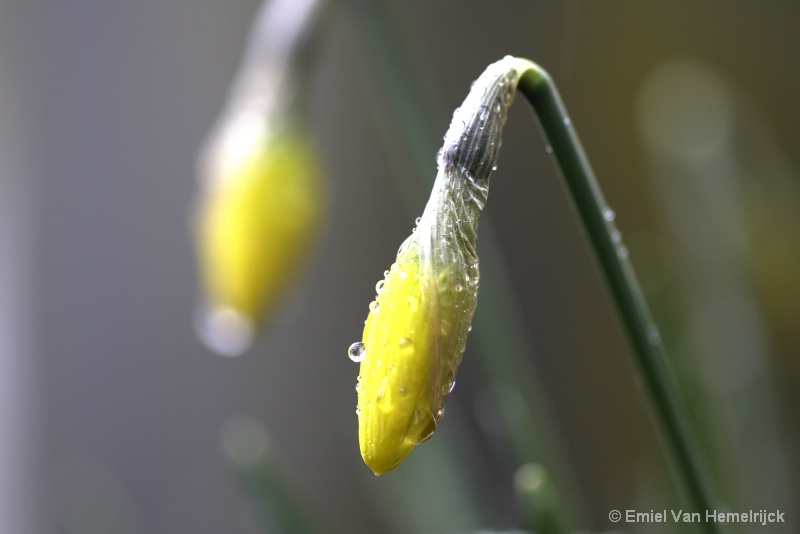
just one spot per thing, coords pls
(110, 405)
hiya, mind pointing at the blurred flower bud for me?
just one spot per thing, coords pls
(416, 331)
(261, 194)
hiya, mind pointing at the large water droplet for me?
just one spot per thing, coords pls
(226, 331)
(374, 307)
(357, 351)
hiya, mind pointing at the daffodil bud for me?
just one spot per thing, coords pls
(261, 194)
(416, 330)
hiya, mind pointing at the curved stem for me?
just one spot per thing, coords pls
(611, 254)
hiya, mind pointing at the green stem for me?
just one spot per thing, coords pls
(597, 220)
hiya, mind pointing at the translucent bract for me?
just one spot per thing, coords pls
(416, 331)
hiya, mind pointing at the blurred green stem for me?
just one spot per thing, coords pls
(278, 505)
(612, 255)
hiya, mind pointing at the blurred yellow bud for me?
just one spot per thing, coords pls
(255, 224)
(416, 330)
(261, 190)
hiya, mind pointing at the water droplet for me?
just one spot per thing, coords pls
(358, 411)
(622, 251)
(402, 275)
(452, 386)
(403, 391)
(469, 329)
(374, 306)
(616, 236)
(385, 273)
(608, 214)
(382, 390)
(459, 288)
(548, 149)
(357, 352)
(566, 120)
(379, 287)
(416, 221)
(494, 167)
(440, 413)
(406, 345)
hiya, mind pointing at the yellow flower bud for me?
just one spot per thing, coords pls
(262, 194)
(255, 224)
(416, 330)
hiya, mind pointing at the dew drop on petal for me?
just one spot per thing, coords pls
(406, 345)
(379, 287)
(374, 307)
(357, 351)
